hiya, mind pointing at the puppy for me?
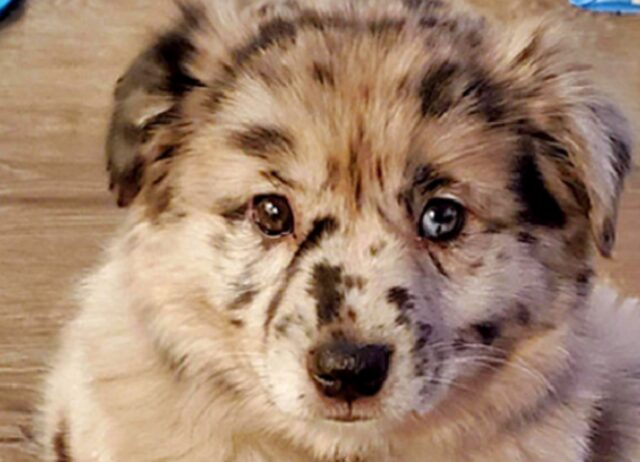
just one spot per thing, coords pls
(357, 231)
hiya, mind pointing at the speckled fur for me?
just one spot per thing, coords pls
(192, 337)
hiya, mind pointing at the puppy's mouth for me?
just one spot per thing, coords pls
(349, 414)
(349, 418)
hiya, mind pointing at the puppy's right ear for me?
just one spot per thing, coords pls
(146, 99)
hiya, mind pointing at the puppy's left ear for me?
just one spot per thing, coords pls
(579, 130)
(603, 165)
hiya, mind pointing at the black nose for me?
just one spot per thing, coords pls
(348, 371)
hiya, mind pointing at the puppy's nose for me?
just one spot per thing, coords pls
(349, 371)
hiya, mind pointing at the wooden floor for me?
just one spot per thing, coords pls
(58, 63)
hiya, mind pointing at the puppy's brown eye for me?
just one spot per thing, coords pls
(273, 216)
(442, 220)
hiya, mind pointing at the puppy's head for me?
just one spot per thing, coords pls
(354, 215)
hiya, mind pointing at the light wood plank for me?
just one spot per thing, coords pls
(58, 66)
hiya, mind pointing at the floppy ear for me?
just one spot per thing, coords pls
(603, 166)
(582, 133)
(146, 101)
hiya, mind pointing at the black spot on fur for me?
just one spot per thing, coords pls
(381, 26)
(608, 436)
(488, 332)
(583, 282)
(488, 95)
(262, 141)
(526, 238)
(523, 315)
(421, 363)
(435, 89)
(275, 31)
(355, 149)
(503, 256)
(176, 363)
(375, 249)
(173, 50)
(282, 326)
(423, 4)
(326, 289)
(530, 51)
(235, 213)
(621, 156)
(160, 178)
(494, 227)
(438, 264)
(192, 15)
(608, 236)
(398, 296)
(275, 303)
(429, 22)
(442, 87)
(352, 315)
(219, 242)
(323, 74)
(403, 300)
(237, 323)
(242, 300)
(579, 192)
(354, 282)
(540, 207)
(459, 344)
(380, 173)
(322, 228)
(219, 93)
(167, 153)
(153, 124)
(550, 147)
(467, 33)
(584, 277)
(277, 178)
(358, 197)
(314, 20)
(437, 373)
(527, 128)
(61, 444)
(427, 179)
(129, 183)
(423, 335)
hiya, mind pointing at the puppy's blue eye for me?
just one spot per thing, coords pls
(442, 220)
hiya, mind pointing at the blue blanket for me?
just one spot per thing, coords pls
(609, 6)
(7, 6)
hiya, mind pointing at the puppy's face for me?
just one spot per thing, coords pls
(365, 215)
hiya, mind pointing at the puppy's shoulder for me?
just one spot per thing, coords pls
(615, 324)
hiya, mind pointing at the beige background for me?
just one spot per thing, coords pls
(58, 63)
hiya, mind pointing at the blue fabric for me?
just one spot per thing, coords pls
(7, 7)
(609, 6)
(4, 4)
